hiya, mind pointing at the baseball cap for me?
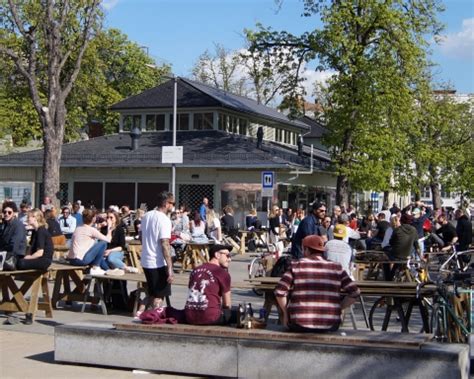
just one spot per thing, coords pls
(340, 231)
(215, 248)
(314, 242)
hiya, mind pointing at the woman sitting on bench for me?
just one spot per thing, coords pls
(41, 251)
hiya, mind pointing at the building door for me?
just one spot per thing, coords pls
(148, 193)
(120, 194)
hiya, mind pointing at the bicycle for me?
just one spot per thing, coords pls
(451, 313)
(259, 266)
(398, 309)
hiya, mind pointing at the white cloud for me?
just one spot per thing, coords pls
(461, 44)
(313, 78)
(109, 4)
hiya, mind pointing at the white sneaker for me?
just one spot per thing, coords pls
(96, 271)
(115, 272)
(131, 270)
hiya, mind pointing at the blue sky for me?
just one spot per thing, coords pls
(178, 31)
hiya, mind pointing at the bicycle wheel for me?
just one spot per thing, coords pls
(385, 313)
(438, 324)
(257, 270)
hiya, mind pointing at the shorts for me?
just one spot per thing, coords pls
(157, 282)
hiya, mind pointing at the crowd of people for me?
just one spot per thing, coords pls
(92, 238)
(321, 247)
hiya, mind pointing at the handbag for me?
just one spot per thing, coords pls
(9, 264)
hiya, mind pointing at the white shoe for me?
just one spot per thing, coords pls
(96, 271)
(115, 272)
(131, 270)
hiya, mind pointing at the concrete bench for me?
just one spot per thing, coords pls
(229, 352)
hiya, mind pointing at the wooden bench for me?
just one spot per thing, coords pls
(13, 298)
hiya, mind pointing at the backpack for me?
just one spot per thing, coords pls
(281, 266)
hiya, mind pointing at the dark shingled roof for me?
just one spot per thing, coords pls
(194, 94)
(201, 149)
(317, 129)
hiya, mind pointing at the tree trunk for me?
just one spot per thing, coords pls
(435, 195)
(53, 134)
(385, 204)
(342, 190)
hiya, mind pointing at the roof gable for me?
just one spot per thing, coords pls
(193, 94)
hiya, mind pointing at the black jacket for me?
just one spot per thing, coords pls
(13, 237)
(464, 232)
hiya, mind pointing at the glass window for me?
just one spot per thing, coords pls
(243, 126)
(221, 123)
(150, 122)
(160, 122)
(203, 121)
(130, 121)
(183, 121)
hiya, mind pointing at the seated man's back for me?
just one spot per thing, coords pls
(209, 289)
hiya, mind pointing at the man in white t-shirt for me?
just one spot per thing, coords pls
(156, 253)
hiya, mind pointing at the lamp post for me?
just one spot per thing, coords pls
(175, 116)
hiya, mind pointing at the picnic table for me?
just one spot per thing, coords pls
(13, 298)
(195, 253)
(251, 233)
(399, 293)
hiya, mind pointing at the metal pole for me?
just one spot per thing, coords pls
(175, 115)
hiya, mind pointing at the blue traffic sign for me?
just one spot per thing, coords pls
(268, 179)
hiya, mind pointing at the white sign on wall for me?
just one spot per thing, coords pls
(172, 154)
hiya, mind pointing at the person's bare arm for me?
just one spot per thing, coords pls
(165, 244)
(226, 300)
(282, 303)
(347, 302)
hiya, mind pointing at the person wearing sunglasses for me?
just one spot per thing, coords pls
(311, 224)
(156, 251)
(209, 299)
(12, 231)
(116, 247)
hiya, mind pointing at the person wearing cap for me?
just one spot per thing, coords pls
(310, 225)
(352, 236)
(309, 293)
(336, 250)
(209, 300)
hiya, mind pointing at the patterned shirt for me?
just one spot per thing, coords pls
(315, 286)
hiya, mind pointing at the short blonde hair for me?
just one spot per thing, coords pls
(38, 215)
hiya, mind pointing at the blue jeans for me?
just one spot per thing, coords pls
(115, 259)
(93, 257)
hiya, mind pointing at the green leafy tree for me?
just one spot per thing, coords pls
(378, 53)
(442, 143)
(46, 41)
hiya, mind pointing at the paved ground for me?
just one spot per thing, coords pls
(28, 350)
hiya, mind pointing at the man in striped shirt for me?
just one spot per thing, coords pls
(313, 286)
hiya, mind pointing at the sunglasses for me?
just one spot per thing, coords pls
(171, 202)
(7, 212)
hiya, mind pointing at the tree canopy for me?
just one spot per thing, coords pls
(378, 53)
